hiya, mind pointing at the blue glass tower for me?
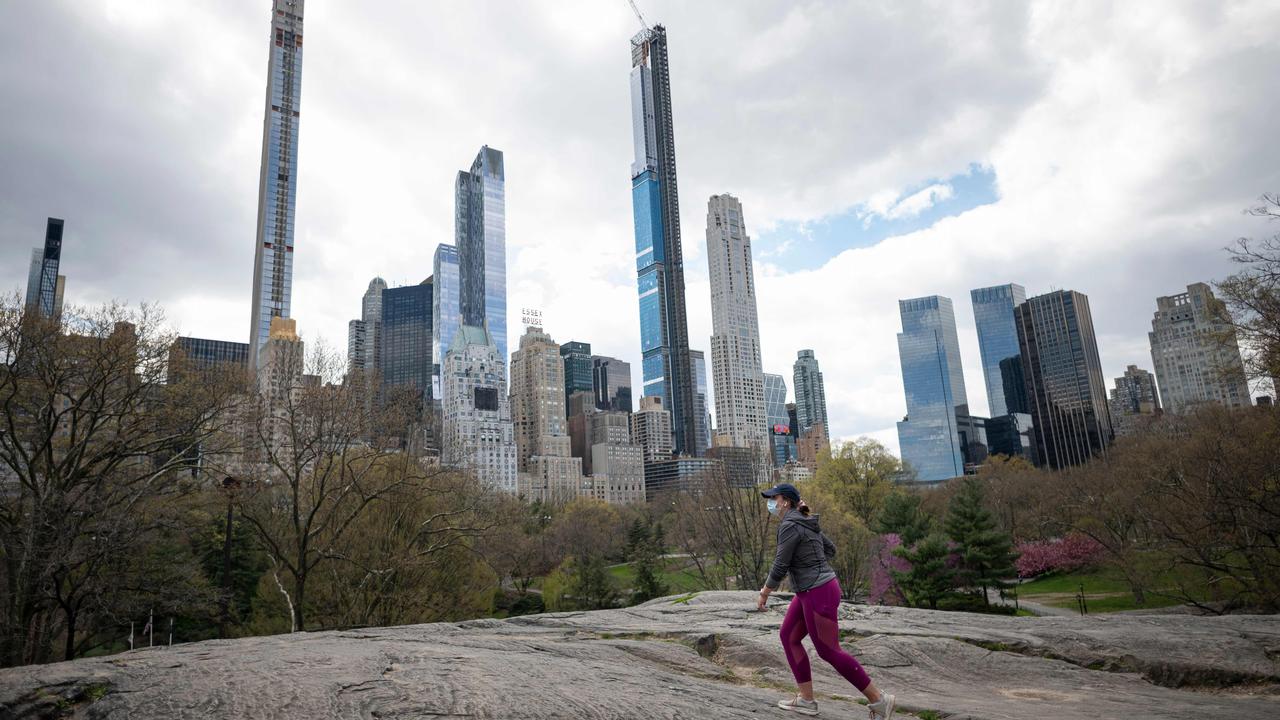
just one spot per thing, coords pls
(278, 179)
(778, 419)
(998, 342)
(666, 368)
(446, 312)
(481, 237)
(929, 349)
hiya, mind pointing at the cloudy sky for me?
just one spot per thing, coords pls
(881, 150)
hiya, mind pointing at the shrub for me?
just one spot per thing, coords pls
(1059, 555)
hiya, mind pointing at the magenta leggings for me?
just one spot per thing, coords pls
(813, 613)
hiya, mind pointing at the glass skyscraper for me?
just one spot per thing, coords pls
(278, 179)
(667, 368)
(611, 379)
(778, 419)
(406, 336)
(1065, 388)
(579, 370)
(480, 209)
(446, 312)
(701, 410)
(811, 394)
(44, 284)
(933, 381)
(998, 341)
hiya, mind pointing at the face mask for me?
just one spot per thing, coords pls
(773, 506)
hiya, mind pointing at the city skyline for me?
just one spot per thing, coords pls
(1124, 255)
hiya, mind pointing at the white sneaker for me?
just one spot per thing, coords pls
(800, 705)
(883, 710)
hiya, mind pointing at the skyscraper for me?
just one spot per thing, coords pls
(933, 381)
(548, 470)
(997, 340)
(579, 369)
(364, 336)
(811, 396)
(667, 368)
(782, 442)
(651, 429)
(735, 329)
(1194, 351)
(278, 176)
(44, 284)
(446, 313)
(611, 380)
(279, 379)
(478, 435)
(198, 355)
(405, 337)
(1065, 389)
(480, 207)
(1134, 401)
(537, 395)
(701, 411)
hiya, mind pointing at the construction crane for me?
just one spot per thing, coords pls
(639, 17)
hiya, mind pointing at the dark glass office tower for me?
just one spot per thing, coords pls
(44, 284)
(1065, 388)
(278, 178)
(579, 370)
(406, 336)
(664, 336)
(612, 382)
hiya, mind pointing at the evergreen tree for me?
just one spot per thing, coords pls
(645, 558)
(986, 553)
(591, 585)
(930, 578)
(902, 515)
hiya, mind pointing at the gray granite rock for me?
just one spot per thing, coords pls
(707, 657)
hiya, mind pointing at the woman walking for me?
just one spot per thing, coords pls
(803, 552)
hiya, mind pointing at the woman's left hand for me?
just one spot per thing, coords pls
(763, 598)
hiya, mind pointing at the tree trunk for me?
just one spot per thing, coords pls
(70, 651)
(224, 617)
(299, 586)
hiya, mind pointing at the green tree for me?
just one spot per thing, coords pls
(903, 515)
(986, 552)
(644, 558)
(859, 475)
(930, 578)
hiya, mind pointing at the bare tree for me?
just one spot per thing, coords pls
(1252, 298)
(94, 442)
(725, 530)
(320, 458)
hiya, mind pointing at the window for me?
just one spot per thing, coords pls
(486, 398)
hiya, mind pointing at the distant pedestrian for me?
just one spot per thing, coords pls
(803, 552)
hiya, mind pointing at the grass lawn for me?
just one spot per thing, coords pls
(679, 575)
(1104, 592)
(1094, 582)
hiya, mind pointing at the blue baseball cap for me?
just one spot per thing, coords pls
(786, 490)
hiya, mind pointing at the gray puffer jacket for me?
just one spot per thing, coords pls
(803, 551)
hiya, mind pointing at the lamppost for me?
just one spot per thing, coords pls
(230, 485)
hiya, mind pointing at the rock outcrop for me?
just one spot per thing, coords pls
(704, 656)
